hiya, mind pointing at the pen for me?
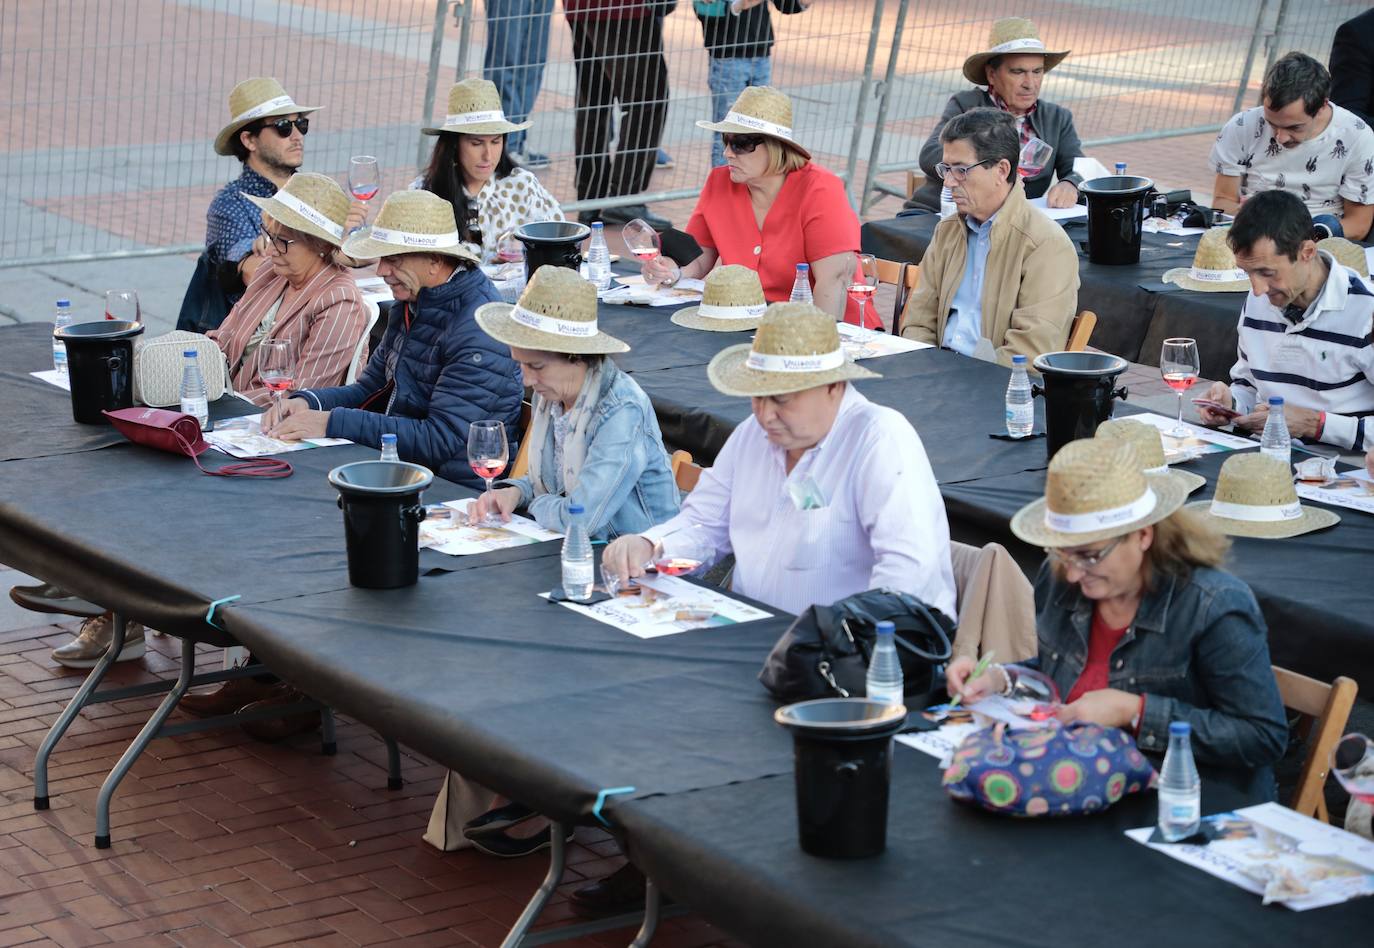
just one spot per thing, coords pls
(978, 669)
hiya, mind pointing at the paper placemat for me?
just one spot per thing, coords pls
(860, 343)
(667, 605)
(453, 536)
(243, 438)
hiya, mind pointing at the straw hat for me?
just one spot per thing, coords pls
(1011, 35)
(474, 108)
(1149, 449)
(732, 301)
(1347, 254)
(253, 99)
(797, 347)
(555, 313)
(1095, 490)
(759, 110)
(1255, 497)
(410, 222)
(310, 203)
(1214, 267)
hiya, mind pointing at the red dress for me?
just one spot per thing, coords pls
(810, 219)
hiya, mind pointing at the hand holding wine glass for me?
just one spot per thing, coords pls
(1180, 365)
(277, 368)
(122, 304)
(682, 552)
(364, 177)
(488, 453)
(864, 284)
(1035, 155)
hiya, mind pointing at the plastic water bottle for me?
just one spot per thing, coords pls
(1020, 407)
(62, 318)
(578, 571)
(389, 448)
(599, 259)
(1180, 788)
(1120, 168)
(884, 680)
(193, 400)
(801, 286)
(947, 206)
(1275, 441)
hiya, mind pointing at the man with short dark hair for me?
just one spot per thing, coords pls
(1298, 141)
(999, 278)
(1304, 332)
(266, 133)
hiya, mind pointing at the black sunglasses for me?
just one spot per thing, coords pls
(282, 126)
(741, 144)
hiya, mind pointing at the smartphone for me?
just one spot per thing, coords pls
(1218, 407)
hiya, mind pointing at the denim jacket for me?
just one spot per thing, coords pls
(1198, 650)
(625, 485)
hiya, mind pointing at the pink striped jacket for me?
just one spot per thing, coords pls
(324, 322)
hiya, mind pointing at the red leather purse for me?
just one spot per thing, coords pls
(179, 433)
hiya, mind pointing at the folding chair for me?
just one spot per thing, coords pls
(905, 277)
(1081, 330)
(1325, 710)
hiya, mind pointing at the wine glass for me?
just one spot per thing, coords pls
(488, 453)
(1352, 762)
(122, 304)
(1035, 154)
(509, 249)
(682, 552)
(865, 284)
(277, 367)
(1180, 365)
(364, 177)
(641, 240)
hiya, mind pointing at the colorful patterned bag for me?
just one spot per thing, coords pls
(1062, 770)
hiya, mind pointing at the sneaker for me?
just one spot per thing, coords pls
(663, 161)
(497, 820)
(94, 639)
(505, 846)
(531, 160)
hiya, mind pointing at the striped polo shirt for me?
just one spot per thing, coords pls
(1321, 360)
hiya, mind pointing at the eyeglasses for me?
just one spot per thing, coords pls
(959, 172)
(1084, 561)
(282, 126)
(741, 144)
(280, 244)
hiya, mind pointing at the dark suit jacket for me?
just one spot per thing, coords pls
(1053, 124)
(1352, 66)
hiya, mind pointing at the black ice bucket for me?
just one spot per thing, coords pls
(1117, 207)
(100, 367)
(1079, 389)
(842, 748)
(382, 513)
(552, 243)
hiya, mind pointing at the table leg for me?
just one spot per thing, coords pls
(516, 935)
(69, 713)
(145, 736)
(329, 745)
(651, 904)
(393, 765)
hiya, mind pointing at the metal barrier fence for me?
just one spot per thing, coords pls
(111, 105)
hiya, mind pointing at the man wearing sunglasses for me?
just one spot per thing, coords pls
(266, 133)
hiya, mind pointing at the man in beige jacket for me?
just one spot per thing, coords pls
(1000, 270)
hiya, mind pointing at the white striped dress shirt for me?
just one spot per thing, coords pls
(884, 524)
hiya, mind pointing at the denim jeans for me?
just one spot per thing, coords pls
(1332, 222)
(517, 50)
(727, 79)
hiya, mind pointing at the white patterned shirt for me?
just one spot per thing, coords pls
(883, 524)
(503, 204)
(1338, 163)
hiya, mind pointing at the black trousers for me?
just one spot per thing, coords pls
(618, 61)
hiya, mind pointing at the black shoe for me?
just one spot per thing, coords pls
(623, 215)
(498, 819)
(620, 892)
(47, 597)
(505, 846)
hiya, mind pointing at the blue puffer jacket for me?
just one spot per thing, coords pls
(448, 374)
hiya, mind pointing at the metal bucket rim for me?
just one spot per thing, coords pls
(893, 716)
(337, 475)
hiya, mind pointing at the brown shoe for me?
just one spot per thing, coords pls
(620, 892)
(272, 730)
(227, 698)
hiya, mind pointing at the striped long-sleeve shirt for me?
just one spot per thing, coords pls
(1323, 361)
(324, 321)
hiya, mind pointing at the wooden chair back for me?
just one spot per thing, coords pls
(914, 183)
(522, 457)
(1081, 330)
(905, 277)
(1325, 710)
(685, 473)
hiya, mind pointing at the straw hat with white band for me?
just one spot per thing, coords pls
(1255, 497)
(410, 222)
(1095, 490)
(1149, 449)
(797, 347)
(759, 110)
(254, 99)
(311, 203)
(1010, 36)
(555, 313)
(474, 108)
(732, 301)
(1214, 267)
(1347, 254)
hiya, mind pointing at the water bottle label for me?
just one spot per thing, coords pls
(1021, 414)
(577, 573)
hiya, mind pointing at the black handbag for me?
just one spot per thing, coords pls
(825, 653)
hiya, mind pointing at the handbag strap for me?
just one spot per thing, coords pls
(257, 467)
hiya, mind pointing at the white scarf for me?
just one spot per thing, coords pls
(575, 447)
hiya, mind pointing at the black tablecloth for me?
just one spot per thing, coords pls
(1313, 588)
(1135, 312)
(531, 698)
(38, 420)
(656, 341)
(953, 876)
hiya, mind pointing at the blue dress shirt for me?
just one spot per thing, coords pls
(965, 324)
